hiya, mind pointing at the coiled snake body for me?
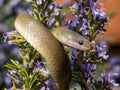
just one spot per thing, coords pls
(49, 47)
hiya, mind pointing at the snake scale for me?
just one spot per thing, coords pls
(51, 48)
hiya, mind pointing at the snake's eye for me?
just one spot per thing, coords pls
(81, 42)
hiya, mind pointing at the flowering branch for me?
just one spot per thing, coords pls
(90, 20)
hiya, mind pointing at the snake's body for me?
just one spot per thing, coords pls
(48, 46)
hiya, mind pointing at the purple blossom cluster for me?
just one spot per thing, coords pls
(90, 18)
(56, 13)
(88, 62)
(47, 12)
(89, 70)
(49, 84)
(102, 50)
(7, 36)
(109, 78)
(40, 67)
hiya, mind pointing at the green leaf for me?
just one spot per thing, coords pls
(14, 63)
(34, 78)
(10, 66)
(14, 87)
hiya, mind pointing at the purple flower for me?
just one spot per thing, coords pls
(39, 2)
(109, 78)
(11, 88)
(85, 27)
(93, 5)
(52, 8)
(40, 66)
(89, 70)
(102, 52)
(99, 15)
(1, 3)
(7, 36)
(74, 24)
(50, 22)
(51, 85)
(78, 7)
(7, 80)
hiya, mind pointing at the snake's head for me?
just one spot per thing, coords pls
(72, 39)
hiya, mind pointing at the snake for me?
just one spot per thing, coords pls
(50, 45)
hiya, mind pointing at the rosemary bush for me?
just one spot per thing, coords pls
(30, 73)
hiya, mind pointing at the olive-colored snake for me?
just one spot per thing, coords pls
(51, 48)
